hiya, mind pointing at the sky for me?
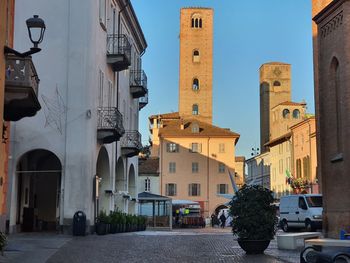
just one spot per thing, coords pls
(247, 34)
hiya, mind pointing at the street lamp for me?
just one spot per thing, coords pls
(36, 29)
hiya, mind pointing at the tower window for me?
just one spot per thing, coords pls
(196, 56)
(195, 110)
(296, 114)
(277, 83)
(196, 21)
(195, 84)
(195, 128)
(285, 114)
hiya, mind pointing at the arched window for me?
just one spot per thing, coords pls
(196, 56)
(296, 114)
(195, 84)
(277, 83)
(285, 114)
(195, 109)
(196, 21)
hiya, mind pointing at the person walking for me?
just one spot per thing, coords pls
(223, 220)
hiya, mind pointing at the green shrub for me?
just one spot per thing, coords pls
(3, 242)
(254, 216)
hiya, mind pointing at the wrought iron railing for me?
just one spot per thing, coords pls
(118, 45)
(20, 72)
(138, 78)
(131, 139)
(110, 118)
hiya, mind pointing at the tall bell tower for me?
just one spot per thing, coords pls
(196, 64)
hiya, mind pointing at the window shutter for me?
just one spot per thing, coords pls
(189, 190)
(168, 147)
(199, 190)
(226, 188)
(177, 148)
(218, 189)
(166, 189)
(199, 147)
(175, 190)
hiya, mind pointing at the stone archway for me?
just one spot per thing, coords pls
(132, 189)
(104, 185)
(218, 208)
(38, 177)
(119, 185)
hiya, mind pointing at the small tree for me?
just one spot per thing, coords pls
(254, 216)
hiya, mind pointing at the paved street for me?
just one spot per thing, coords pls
(199, 245)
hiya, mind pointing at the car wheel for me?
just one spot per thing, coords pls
(308, 226)
(284, 226)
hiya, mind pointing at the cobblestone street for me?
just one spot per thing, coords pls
(202, 245)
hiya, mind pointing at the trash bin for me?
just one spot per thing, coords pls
(79, 223)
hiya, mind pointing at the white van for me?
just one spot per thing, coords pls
(301, 211)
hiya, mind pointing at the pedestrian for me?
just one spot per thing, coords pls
(223, 220)
(212, 219)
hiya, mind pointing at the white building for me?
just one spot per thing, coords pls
(259, 170)
(80, 151)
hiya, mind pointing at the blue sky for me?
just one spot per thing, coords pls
(246, 35)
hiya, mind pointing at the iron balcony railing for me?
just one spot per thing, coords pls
(138, 78)
(21, 88)
(131, 140)
(118, 45)
(110, 118)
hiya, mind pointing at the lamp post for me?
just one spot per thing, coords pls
(36, 29)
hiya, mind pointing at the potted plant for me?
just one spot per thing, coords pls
(3, 242)
(102, 222)
(113, 222)
(254, 218)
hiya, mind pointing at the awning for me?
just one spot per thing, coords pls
(185, 202)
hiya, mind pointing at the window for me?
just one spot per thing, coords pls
(172, 147)
(221, 147)
(277, 83)
(281, 166)
(298, 168)
(195, 128)
(147, 185)
(172, 167)
(101, 77)
(296, 114)
(194, 189)
(110, 93)
(195, 167)
(306, 167)
(196, 21)
(195, 84)
(196, 57)
(195, 147)
(102, 14)
(222, 188)
(221, 167)
(285, 114)
(170, 189)
(195, 109)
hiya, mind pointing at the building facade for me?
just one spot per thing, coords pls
(195, 157)
(333, 105)
(80, 152)
(275, 88)
(259, 169)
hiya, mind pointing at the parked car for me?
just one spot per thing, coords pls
(301, 211)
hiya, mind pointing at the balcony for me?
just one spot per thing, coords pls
(21, 88)
(138, 83)
(131, 143)
(143, 101)
(118, 52)
(110, 125)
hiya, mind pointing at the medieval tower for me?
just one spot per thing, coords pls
(275, 86)
(196, 64)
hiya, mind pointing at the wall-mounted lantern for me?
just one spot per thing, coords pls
(36, 29)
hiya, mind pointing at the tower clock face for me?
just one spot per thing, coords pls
(277, 72)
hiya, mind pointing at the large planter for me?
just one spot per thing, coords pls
(101, 228)
(113, 228)
(253, 246)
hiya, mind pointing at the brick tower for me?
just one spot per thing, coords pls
(196, 63)
(275, 86)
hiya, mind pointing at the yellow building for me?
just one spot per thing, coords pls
(195, 156)
(6, 39)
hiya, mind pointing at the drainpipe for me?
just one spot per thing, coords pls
(208, 175)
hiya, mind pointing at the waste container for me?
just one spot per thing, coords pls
(79, 223)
